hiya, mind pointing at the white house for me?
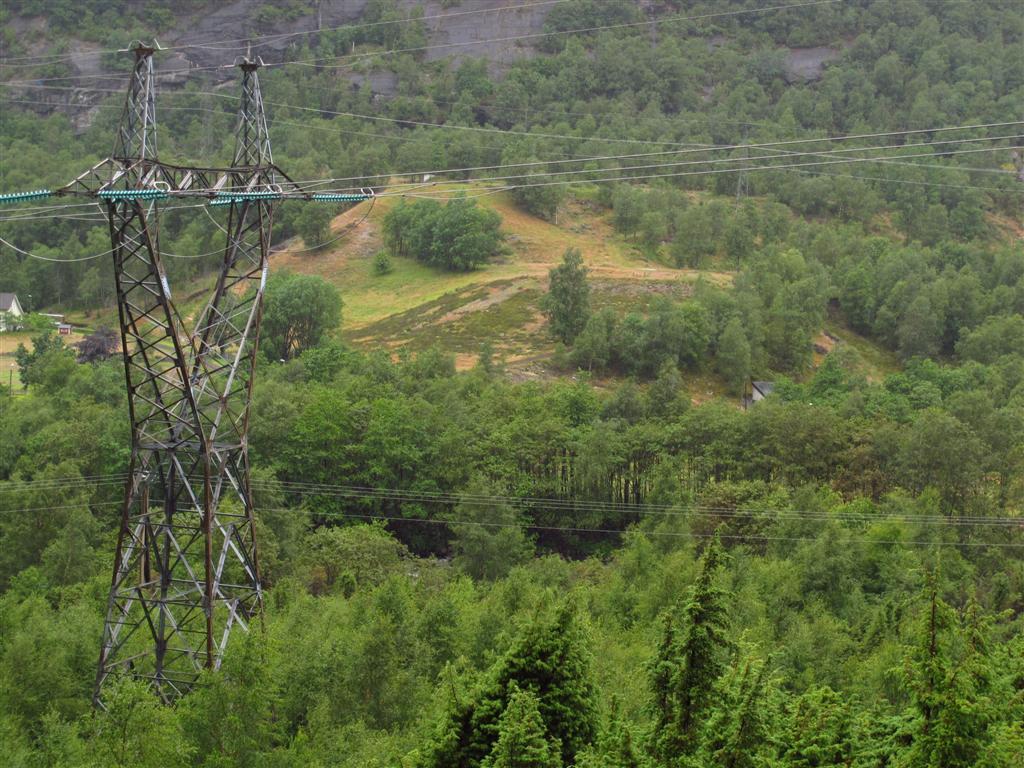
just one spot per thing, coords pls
(10, 311)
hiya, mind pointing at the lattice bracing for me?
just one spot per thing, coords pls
(186, 570)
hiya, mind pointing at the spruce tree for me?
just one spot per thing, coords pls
(522, 740)
(662, 671)
(616, 743)
(818, 731)
(551, 661)
(688, 663)
(737, 731)
(949, 676)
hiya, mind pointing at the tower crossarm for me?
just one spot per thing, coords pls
(214, 183)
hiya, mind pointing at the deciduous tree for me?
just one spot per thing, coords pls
(299, 310)
(567, 303)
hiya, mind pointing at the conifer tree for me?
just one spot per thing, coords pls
(948, 674)
(522, 741)
(615, 747)
(689, 662)
(662, 670)
(818, 731)
(550, 660)
(737, 731)
(617, 742)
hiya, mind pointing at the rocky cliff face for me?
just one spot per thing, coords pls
(216, 38)
(213, 38)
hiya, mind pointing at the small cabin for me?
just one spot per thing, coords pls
(759, 390)
(11, 312)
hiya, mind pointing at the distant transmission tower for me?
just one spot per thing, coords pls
(742, 185)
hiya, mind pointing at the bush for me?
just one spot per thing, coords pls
(382, 263)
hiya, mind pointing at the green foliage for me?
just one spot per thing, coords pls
(833, 497)
(343, 559)
(382, 263)
(738, 732)
(695, 240)
(522, 739)
(299, 310)
(47, 354)
(33, 321)
(549, 661)
(136, 729)
(818, 731)
(672, 334)
(567, 303)
(457, 236)
(688, 662)
(230, 719)
(949, 677)
(733, 356)
(313, 225)
(488, 540)
(536, 195)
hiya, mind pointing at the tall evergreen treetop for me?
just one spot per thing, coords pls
(737, 731)
(689, 661)
(949, 676)
(522, 738)
(550, 660)
(818, 731)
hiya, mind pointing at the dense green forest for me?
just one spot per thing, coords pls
(590, 569)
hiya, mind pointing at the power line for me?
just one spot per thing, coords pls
(687, 147)
(884, 159)
(679, 174)
(894, 159)
(555, 33)
(553, 503)
(85, 504)
(401, 189)
(663, 153)
(345, 27)
(658, 534)
(563, 182)
(50, 259)
(79, 485)
(105, 253)
(43, 214)
(326, 489)
(344, 232)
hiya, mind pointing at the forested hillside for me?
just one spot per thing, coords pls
(511, 507)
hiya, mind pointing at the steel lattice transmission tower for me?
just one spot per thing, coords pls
(186, 570)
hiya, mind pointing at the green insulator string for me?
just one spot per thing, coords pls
(338, 197)
(133, 194)
(17, 197)
(224, 198)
